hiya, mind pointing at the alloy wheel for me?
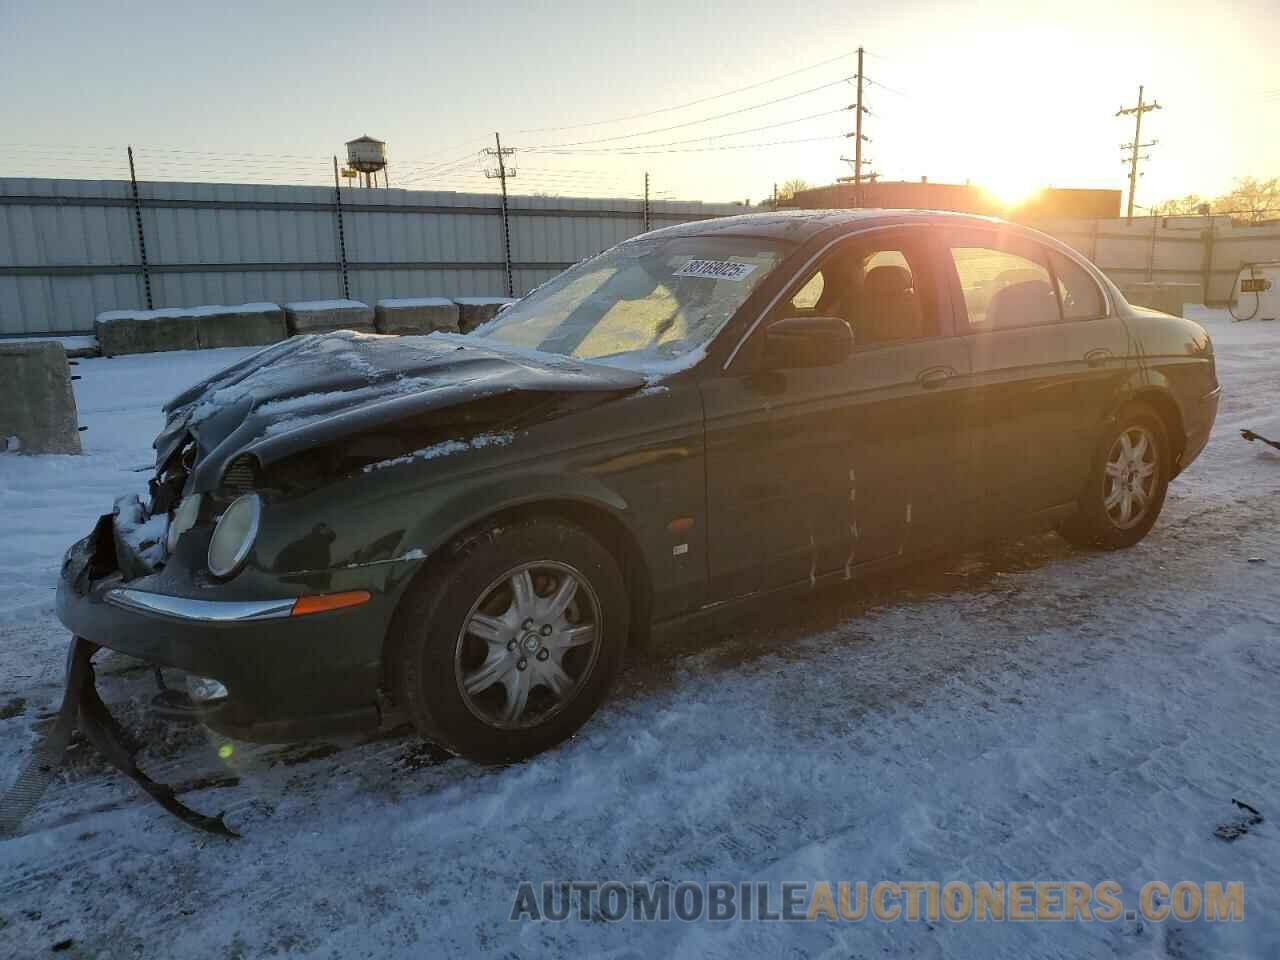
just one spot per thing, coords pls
(528, 644)
(1129, 483)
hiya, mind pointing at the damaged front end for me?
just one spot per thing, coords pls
(295, 496)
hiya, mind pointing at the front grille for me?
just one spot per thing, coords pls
(241, 476)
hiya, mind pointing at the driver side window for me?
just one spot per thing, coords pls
(879, 287)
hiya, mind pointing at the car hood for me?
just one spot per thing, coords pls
(308, 391)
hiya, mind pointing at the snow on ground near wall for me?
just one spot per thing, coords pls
(1029, 712)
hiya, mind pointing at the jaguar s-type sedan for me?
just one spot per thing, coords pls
(472, 531)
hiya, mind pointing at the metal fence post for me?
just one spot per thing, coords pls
(1151, 257)
(647, 223)
(142, 239)
(342, 240)
(1207, 265)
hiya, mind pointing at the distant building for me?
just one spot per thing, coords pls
(1052, 202)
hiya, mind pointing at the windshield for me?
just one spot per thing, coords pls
(648, 304)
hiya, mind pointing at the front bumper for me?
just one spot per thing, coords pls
(1199, 424)
(287, 677)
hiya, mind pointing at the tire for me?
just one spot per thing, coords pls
(1107, 519)
(490, 659)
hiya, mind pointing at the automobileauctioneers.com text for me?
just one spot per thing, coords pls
(885, 901)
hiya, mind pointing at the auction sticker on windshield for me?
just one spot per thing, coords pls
(716, 269)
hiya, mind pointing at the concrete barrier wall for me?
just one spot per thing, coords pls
(37, 406)
(189, 328)
(1208, 251)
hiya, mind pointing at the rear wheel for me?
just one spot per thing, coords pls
(509, 645)
(1127, 483)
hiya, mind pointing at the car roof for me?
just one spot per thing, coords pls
(798, 226)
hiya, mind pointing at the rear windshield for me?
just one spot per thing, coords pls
(651, 304)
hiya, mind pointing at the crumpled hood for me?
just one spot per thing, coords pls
(310, 390)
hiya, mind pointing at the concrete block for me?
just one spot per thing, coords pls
(37, 407)
(144, 331)
(247, 325)
(415, 316)
(1164, 296)
(325, 316)
(473, 311)
(189, 328)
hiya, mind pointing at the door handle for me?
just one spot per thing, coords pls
(1098, 356)
(935, 377)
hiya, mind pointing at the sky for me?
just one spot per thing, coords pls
(1009, 95)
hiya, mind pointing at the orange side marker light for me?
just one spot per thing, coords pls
(328, 601)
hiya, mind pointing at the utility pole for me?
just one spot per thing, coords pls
(857, 140)
(1133, 148)
(858, 162)
(502, 173)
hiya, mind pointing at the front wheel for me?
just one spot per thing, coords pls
(508, 646)
(1127, 483)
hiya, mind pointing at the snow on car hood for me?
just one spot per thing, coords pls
(313, 389)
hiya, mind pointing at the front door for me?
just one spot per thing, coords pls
(817, 470)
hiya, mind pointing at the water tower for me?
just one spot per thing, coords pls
(368, 156)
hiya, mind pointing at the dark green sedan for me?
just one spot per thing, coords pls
(473, 531)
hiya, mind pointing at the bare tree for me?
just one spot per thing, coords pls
(791, 187)
(1181, 206)
(1252, 199)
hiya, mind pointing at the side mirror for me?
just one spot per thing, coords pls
(806, 342)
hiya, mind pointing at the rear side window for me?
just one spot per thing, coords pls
(1081, 298)
(1003, 289)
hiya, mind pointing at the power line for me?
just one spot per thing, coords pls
(642, 151)
(692, 123)
(691, 103)
(640, 148)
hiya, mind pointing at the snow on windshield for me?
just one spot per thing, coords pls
(652, 305)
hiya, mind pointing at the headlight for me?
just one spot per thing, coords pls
(234, 535)
(184, 518)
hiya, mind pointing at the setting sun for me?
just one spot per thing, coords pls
(1013, 189)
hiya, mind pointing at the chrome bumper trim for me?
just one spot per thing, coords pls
(199, 611)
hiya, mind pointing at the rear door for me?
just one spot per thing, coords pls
(1047, 360)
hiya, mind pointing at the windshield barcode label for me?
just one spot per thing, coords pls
(715, 269)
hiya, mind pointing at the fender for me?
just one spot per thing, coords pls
(472, 504)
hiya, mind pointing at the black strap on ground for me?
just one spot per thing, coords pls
(47, 756)
(82, 707)
(1251, 436)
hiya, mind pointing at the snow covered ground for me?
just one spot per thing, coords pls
(1032, 712)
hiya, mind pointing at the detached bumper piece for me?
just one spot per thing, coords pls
(83, 708)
